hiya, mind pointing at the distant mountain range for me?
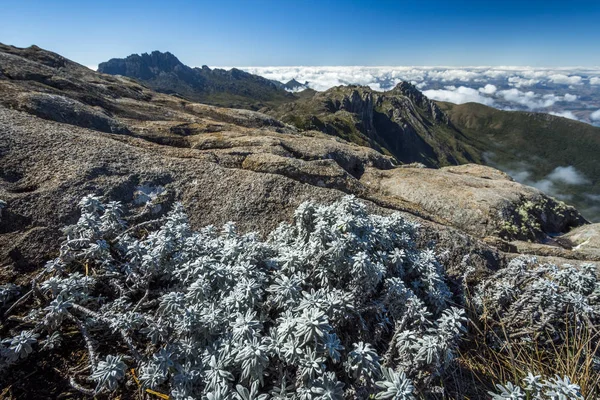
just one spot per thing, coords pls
(164, 73)
(292, 85)
(568, 92)
(533, 147)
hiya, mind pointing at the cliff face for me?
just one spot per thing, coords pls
(401, 122)
(227, 164)
(145, 66)
(164, 73)
(428, 106)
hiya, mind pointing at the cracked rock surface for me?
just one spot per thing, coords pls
(67, 131)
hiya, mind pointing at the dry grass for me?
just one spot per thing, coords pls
(492, 356)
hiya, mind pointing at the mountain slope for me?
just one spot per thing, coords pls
(47, 98)
(530, 146)
(554, 154)
(401, 122)
(67, 132)
(164, 73)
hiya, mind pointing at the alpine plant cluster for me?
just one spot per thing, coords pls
(541, 301)
(338, 304)
(535, 387)
(544, 305)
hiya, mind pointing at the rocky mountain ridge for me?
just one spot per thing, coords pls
(401, 122)
(164, 72)
(406, 124)
(68, 131)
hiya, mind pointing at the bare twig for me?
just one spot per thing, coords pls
(140, 225)
(80, 388)
(17, 303)
(126, 338)
(142, 300)
(88, 340)
(37, 292)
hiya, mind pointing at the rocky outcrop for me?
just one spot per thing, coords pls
(164, 73)
(63, 109)
(478, 199)
(584, 240)
(401, 122)
(222, 164)
(361, 105)
(421, 101)
(258, 185)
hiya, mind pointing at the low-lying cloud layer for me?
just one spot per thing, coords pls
(569, 92)
(556, 183)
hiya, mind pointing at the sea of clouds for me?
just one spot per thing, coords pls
(568, 92)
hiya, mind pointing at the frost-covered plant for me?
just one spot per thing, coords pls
(327, 387)
(19, 346)
(363, 361)
(562, 388)
(219, 315)
(395, 386)
(252, 394)
(532, 299)
(535, 311)
(556, 388)
(508, 391)
(109, 372)
(8, 292)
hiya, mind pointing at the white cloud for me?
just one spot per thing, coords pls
(594, 197)
(546, 186)
(459, 95)
(595, 116)
(376, 87)
(557, 90)
(453, 75)
(549, 184)
(517, 81)
(565, 114)
(528, 99)
(563, 79)
(488, 89)
(519, 176)
(568, 175)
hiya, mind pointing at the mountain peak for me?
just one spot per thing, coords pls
(142, 66)
(163, 72)
(163, 59)
(409, 90)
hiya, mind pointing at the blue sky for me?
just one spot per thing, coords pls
(260, 33)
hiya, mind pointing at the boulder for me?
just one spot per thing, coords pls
(479, 200)
(585, 240)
